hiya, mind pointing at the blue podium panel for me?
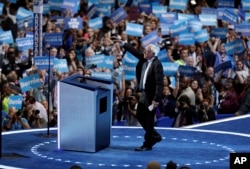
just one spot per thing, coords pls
(84, 115)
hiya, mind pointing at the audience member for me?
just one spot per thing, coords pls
(171, 165)
(153, 165)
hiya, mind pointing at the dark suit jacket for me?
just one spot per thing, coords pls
(154, 83)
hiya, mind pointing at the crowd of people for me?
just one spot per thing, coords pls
(186, 99)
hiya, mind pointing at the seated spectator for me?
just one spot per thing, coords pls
(15, 121)
(153, 165)
(171, 165)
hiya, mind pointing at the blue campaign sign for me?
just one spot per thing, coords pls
(1, 8)
(108, 62)
(92, 11)
(194, 25)
(201, 36)
(223, 66)
(187, 17)
(134, 29)
(96, 23)
(178, 29)
(105, 75)
(178, 4)
(30, 82)
(28, 19)
(16, 101)
(233, 47)
(186, 39)
(245, 5)
(230, 17)
(103, 9)
(188, 71)
(170, 68)
(151, 38)
(23, 13)
(6, 37)
(239, 46)
(29, 34)
(209, 11)
(241, 13)
(46, 8)
(61, 65)
(97, 60)
(219, 33)
(225, 3)
(165, 28)
(208, 19)
(145, 7)
(71, 5)
(42, 62)
(25, 43)
(107, 2)
(53, 39)
(129, 58)
(247, 16)
(159, 9)
(118, 15)
(244, 29)
(163, 55)
(73, 23)
(55, 4)
(220, 13)
(129, 68)
(169, 17)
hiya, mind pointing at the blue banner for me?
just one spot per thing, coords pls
(186, 39)
(186, 17)
(209, 11)
(223, 66)
(30, 82)
(225, 3)
(244, 29)
(134, 29)
(163, 55)
(53, 39)
(129, 58)
(92, 11)
(230, 17)
(61, 65)
(151, 38)
(16, 101)
(245, 5)
(6, 37)
(29, 20)
(165, 28)
(129, 70)
(1, 8)
(103, 10)
(159, 9)
(234, 47)
(42, 62)
(178, 29)
(107, 2)
(55, 5)
(178, 4)
(219, 33)
(170, 68)
(71, 5)
(46, 8)
(105, 75)
(241, 13)
(24, 43)
(201, 36)
(188, 71)
(168, 17)
(101, 61)
(73, 23)
(118, 15)
(95, 23)
(208, 19)
(23, 13)
(194, 26)
(29, 34)
(38, 34)
(145, 7)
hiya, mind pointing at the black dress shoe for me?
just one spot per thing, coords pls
(143, 148)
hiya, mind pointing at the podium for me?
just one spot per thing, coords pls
(84, 113)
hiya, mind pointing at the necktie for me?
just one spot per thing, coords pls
(144, 67)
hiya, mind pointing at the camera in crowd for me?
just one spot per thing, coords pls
(128, 99)
(203, 107)
(36, 112)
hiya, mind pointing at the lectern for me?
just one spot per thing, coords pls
(84, 113)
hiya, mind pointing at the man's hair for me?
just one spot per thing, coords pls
(155, 49)
(185, 99)
(153, 165)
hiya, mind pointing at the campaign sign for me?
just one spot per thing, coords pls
(219, 33)
(209, 10)
(134, 29)
(24, 43)
(1, 8)
(225, 3)
(220, 13)
(129, 58)
(108, 62)
(29, 34)
(245, 5)
(105, 75)
(118, 15)
(70, 5)
(186, 39)
(16, 101)
(96, 23)
(230, 17)
(188, 71)
(194, 25)
(6, 37)
(233, 47)
(55, 5)
(163, 55)
(29, 20)
(129, 70)
(223, 66)
(239, 47)
(61, 65)
(92, 11)
(241, 13)
(151, 38)
(104, 9)
(46, 8)
(208, 19)
(95, 60)
(73, 23)
(178, 29)
(170, 68)
(178, 4)
(107, 2)
(165, 28)
(201, 36)
(53, 39)
(23, 13)
(42, 62)
(145, 7)
(169, 17)
(30, 82)
(159, 9)
(187, 17)
(244, 29)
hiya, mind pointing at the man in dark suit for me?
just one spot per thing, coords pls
(149, 75)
